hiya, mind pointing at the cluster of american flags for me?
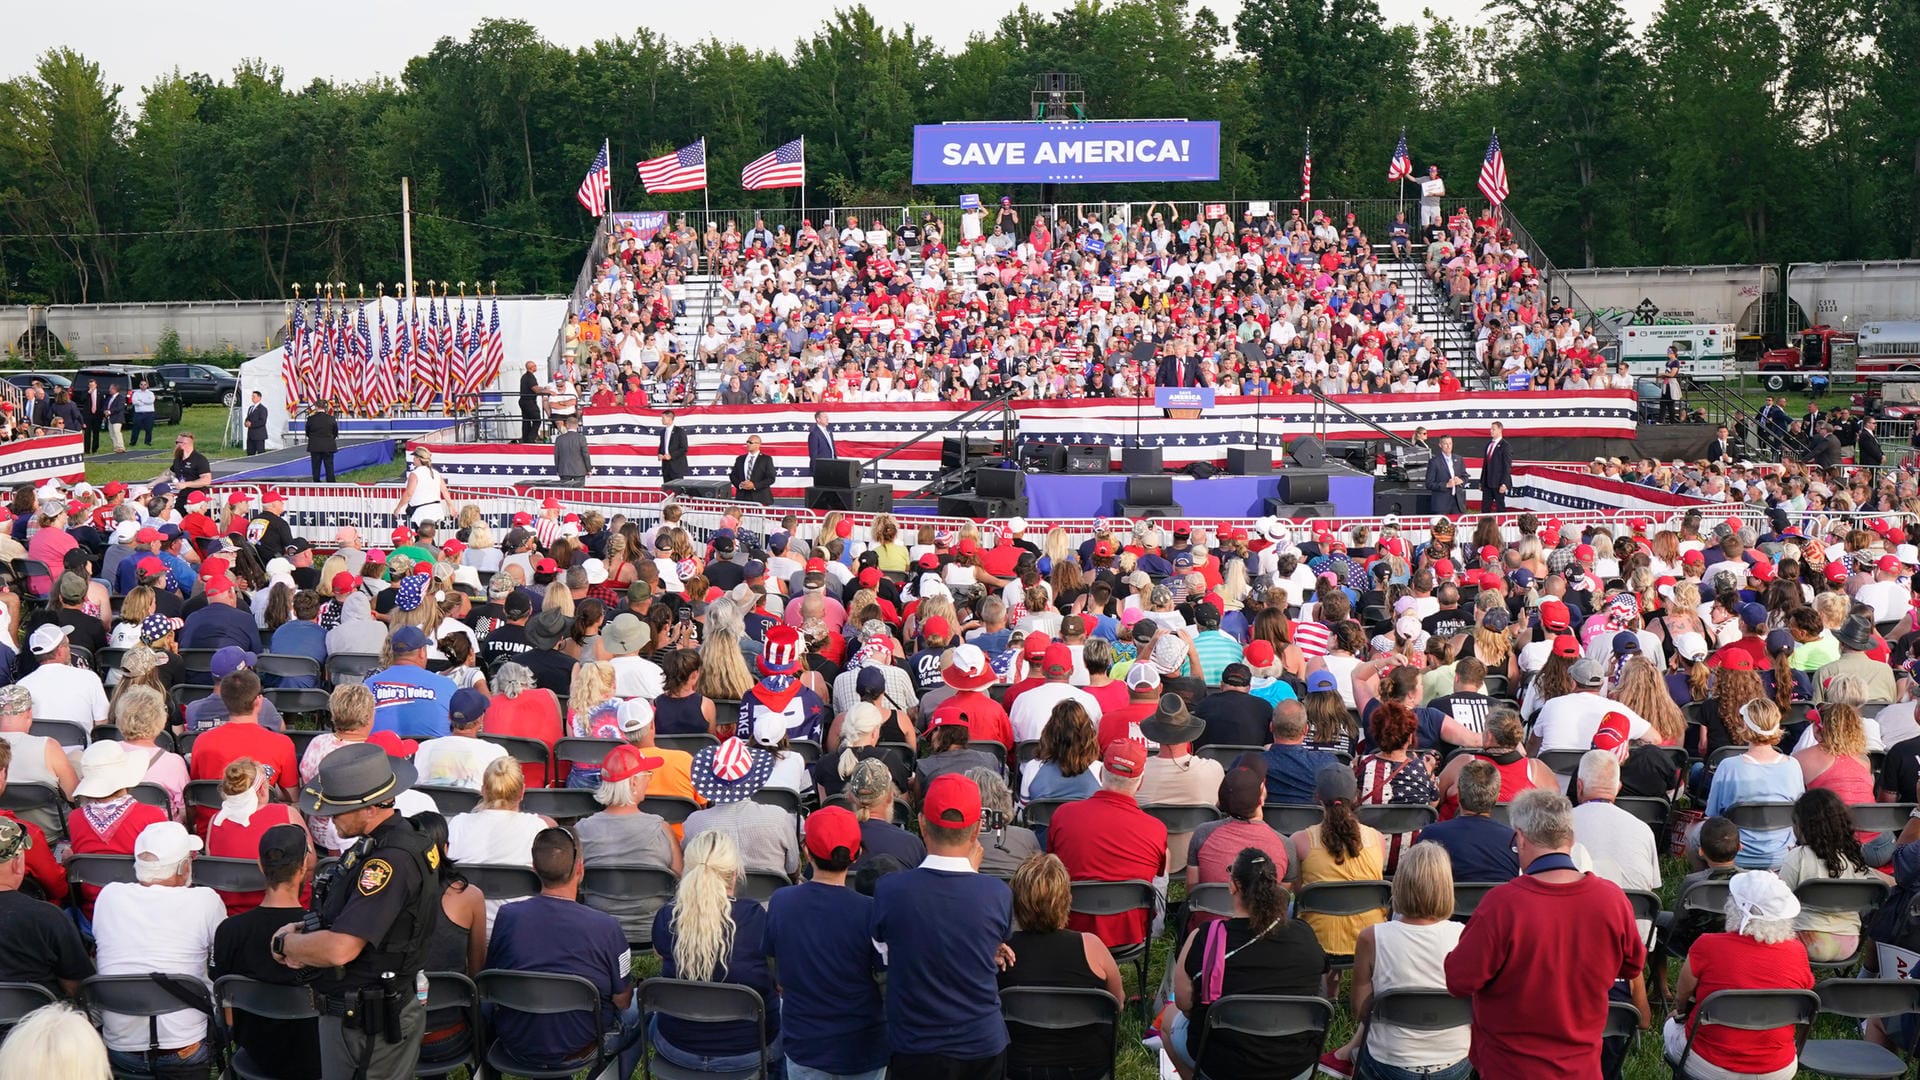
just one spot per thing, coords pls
(1493, 169)
(685, 169)
(451, 351)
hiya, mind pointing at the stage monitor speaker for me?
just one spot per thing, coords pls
(703, 488)
(1000, 483)
(975, 506)
(837, 472)
(1244, 462)
(1357, 453)
(1308, 451)
(1141, 459)
(1043, 457)
(1304, 486)
(1088, 458)
(867, 498)
(976, 448)
(1406, 502)
(1137, 512)
(1150, 490)
(1281, 508)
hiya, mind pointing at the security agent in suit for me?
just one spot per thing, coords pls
(1446, 476)
(256, 426)
(752, 474)
(672, 450)
(93, 406)
(1496, 471)
(572, 460)
(1866, 449)
(367, 936)
(323, 440)
(1720, 448)
(820, 444)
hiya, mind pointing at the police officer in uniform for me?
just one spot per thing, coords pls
(368, 934)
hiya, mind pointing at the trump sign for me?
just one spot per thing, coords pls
(1106, 152)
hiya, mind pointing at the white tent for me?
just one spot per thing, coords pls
(528, 327)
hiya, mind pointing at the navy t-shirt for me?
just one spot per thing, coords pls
(1427, 723)
(886, 838)
(216, 626)
(560, 937)
(746, 967)
(817, 935)
(941, 929)
(1481, 848)
(1291, 772)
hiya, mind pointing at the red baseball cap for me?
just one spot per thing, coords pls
(1564, 645)
(929, 561)
(1102, 549)
(1125, 757)
(830, 829)
(546, 566)
(549, 503)
(1763, 572)
(1836, 571)
(402, 535)
(115, 487)
(816, 566)
(196, 497)
(238, 498)
(937, 628)
(522, 519)
(968, 546)
(1443, 568)
(870, 577)
(1697, 558)
(148, 535)
(1732, 659)
(953, 801)
(393, 744)
(1036, 645)
(1583, 552)
(1181, 527)
(1555, 616)
(151, 565)
(344, 582)
(219, 584)
(1058, 660)
(624, 762)
(843, 528)
(1888, 565)
(272, 496)
(1258, 654)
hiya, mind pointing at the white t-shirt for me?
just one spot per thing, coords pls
(143, 928)
(65, 692)
(1889, 599)
(1034, 707)
(496, 838)
(456, 760)
(1622, 848)
(1569, 721)
(1896, 723)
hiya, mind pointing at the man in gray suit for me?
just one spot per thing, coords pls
(1446, 475)
(572, 460)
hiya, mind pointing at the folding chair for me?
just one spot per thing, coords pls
(1120, 898)
(1040, 811)
(584, 753)
(631, 894)
(542, 994)
(147, 996)
(1751, 1010)
(1025, 750)
(760, 885)
(1211, 898)
(700, 1002)
(41, 804)
(1563, 762)
(1881, 817)
(1649, 810)
(500, 882)
(1289, 818)
(1180, 817)
(1226, 754)
(1343, 898)
(1422, 1010)
(785, 798)
(453, 990)
(1394, 819)
(289, 666)
(560, 804)
(1860, 999)
(98, 870)
(1468, 894)
(1623, 1021)
(808, 750)
(17, 999)
(673, 809)
(1861, 896)
(1058, 1009)
(151, 794)
(691, 744)
(449, 800)
(300, 701)
(198, 662)
(64, 732)
(268, 1001)
(228, 875)
(1761, 817)
(1264, 1016)
(351, 667)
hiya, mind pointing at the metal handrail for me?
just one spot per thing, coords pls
(1001, 402)
(576, 301)
(1365, 421)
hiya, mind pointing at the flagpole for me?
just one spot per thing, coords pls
(803, 192)
(406, 231)
(706, 190)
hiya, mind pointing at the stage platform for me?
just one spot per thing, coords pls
(293, 464)
(1070, 495)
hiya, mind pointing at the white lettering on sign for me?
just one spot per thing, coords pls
(1069, 152)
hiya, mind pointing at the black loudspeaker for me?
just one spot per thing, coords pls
(1150, 490)
(1141, 459)
(1303, 487)
(1243, 462)
(1043, 457)
(838, 472)
(1358, 454)
(867, 498)
(1406, 502)
(1281, 508)
(1307, 450)
(976, 449)
(704, 488)
(1145, 513)
(1088, 458)
(1000, 483)
(974, 506)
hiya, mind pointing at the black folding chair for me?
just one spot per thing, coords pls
(501, 882)
(99, 870)
(1121, 898)
(1343, 898)
(808, 750)
(760, 885)
(301, 739)
(300, 701)
(17, 999)
(691, 744)
(228, 875)
(1289, 818)
(204, 794)
(1881, 817)
(1563, 762)
(706, 1003)
(64, 732)
(542, 994)
(1849, 896)
(289, 666)
(449, 800)
(1761, 817)
(151, 794)
(1060, 1009)
(1649, 810)
(1264, 1016)
(1860, 999)
(152, 996)
(1394, 819)
(41, 804)
(560, 804)
(631, 894)
(1227, 753)
(351, 667)
(673, 809)
(1751, 1010)
(1040, 811)
(785, 798)
(583, 752)
(1210, 898)
(268, 1001)
(1422, 1010)
(197, 662)
(1468, 894)
(1025, 751)
(453, 990)
(1182, 818)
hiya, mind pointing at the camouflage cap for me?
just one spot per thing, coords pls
(14, 838)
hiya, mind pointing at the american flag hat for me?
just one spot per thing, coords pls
(412, 590)
(780, 654)
(729, 771)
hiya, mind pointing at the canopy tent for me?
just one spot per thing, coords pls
(528, 327)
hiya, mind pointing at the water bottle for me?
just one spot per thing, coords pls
(420, 986)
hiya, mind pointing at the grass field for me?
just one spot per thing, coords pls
(208, 424)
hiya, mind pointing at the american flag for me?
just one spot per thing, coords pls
(413, 358)
(683, 170)
(359, 360)
(496, 350)
(427, 382)
(1401, 166)
(1306, 172)
(1493, 173)
(785, 167)
(596, 191)
(381, 385)
(448, 356)
(290, 370)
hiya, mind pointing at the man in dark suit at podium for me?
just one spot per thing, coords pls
(1178, 369)
(1446, 475)
(752, 474)
(1496, 471)
(820, 445)
(672, 451)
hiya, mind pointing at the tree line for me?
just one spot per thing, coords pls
(1725, 131)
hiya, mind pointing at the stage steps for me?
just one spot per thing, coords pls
(1433, 314)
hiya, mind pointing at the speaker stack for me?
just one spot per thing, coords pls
(1000, 483)
(1149, 497)
(1141, 459)
(1281, 508)
(976, 449)
(1043, 457)
(1308, 452)
(700, 488)
(1246, 462)
(837, 486)
(982, 506)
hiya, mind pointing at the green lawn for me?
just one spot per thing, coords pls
(208, 423)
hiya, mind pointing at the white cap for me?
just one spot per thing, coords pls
(570, 530)
(1142, 676)
(48, 638)
(124, 532)
(279, 568)
(636, 715)
(1760, 894)
(596, 571)
(769, 727)
(1018, 525)
(468, 576)
(165, 842)
(1908, 554)
(1407, 627)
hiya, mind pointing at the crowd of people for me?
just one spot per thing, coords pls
(865, 749)
(878, 310)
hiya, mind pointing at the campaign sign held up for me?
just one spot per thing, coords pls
(969, 202)
(1183, 397)
(1108, 152)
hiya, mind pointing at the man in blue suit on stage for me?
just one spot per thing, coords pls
(1446, 476)
(820, 445)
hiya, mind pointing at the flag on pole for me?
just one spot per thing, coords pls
(447, 364)
(1306, 172)
(596, 191)
(784, 167)
(496, 351)
(383, 382)
(359, 356)
(1493, 173)
(321, 364)
(683, 170)
(416, 346)
(1401, 166)
(427, 383)
(290, 357)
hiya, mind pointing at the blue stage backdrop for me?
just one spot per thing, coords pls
(1103, 152)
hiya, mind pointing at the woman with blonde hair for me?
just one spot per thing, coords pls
(351, 705)
(558, 596)
(140, 711)
(246, 813)
(483, 551)
(709, 934)
(1760, 775)
(134, 609)
(1642, 690)
(497, 831)
(1057, 550)
(55, 1042)
(592, 708)
(885, 531)
(723, 668)
(1837, 759)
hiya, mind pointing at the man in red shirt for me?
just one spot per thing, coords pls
(1539, 975)
(1143, 698)
(1107, 837)
(969, 673)
(242, 736)
(1033, 649)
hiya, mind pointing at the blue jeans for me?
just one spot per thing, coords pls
(776, 1060)
(797, 1071)
(625, 1039)
(162, 1065)
(1368, 1069)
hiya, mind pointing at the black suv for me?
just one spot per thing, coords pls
(166, 403)
(201, 384)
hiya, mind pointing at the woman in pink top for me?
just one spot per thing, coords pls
(50, 543)
(1837, 760)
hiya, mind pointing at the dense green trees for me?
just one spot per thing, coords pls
(1729, 130)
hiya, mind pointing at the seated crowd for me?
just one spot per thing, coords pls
(841, 754)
